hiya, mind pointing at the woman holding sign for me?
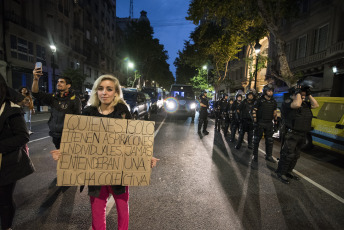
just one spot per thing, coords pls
(107, 101)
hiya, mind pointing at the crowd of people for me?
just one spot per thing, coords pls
(106, 100)
(256, 115)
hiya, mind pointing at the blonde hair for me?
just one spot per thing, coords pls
(94, 100)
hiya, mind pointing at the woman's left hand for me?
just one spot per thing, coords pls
(154, 161)
(56, 154)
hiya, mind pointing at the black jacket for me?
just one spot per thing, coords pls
(60, 106)
(119, 110)
(13, 138)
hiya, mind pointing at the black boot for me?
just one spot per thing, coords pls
(283, 178)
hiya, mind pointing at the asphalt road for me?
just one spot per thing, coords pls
(199, 183)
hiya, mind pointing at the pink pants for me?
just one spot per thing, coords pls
(98, 205)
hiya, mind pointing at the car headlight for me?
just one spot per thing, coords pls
(192, 105)
(170, 105)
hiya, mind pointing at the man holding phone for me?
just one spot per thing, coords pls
(63, 102)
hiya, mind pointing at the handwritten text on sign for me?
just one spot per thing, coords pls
(105, 151)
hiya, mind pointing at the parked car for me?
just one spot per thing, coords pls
(157, 97)
(328, 124)
(139, 103)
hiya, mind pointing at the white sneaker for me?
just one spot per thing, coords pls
(30, 132)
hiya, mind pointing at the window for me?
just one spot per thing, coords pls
(301, 47)
(332, 112)
(88, 35)
(40, 54)
(21, 49)
(321, 39)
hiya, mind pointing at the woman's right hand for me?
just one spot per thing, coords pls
(37, 73)
(56, 154)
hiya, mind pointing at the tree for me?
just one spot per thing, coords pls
(147, 53)
(248, 20)
(76, 76)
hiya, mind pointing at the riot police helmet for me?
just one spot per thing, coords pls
(238, 94)
(266, 88)
(250, 92)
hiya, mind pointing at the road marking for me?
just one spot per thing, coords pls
(39, 139)
(40, 120)
(156, 131)
(335, 196)
(320, 187)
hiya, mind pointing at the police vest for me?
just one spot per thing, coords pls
(300, 119)
(246, 109)
(265, 112)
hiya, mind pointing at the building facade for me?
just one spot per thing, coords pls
(315, 45)
(82, 31)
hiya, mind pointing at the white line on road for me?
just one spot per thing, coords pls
(335, 196)
(40, 120)
(39, 139)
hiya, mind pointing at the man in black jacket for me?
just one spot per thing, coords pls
(63, 102)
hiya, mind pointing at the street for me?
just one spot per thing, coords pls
(199, 183)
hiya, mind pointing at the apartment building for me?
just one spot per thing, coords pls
(83, 32)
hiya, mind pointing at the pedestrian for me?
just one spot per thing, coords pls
(203, 113)
(107, 101)
(235, 115)
(246, 122)
(297, 118)
(63, 102)
(84, 99)
(27, 106)
(14, 160)
(228, 114)
(263, 113)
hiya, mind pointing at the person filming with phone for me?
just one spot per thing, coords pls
(63, 101)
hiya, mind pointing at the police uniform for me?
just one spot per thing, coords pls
(217, 109)
(228, 114)
(235, 116)
(264, 111)
(221, 106)
(297, 124)
(246, 122)
(203, 114)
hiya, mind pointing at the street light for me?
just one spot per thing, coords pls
(53, 50)
(205, 67)
(257, 50)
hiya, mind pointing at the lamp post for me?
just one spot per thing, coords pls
(53, 50)
(206, 68)
(257, 50)
(131, 66)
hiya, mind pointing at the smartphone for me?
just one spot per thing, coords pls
(38, 64)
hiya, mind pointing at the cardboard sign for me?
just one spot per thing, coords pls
(105, 151)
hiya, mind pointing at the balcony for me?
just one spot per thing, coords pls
(318, 57)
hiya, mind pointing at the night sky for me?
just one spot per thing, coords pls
(167, 17)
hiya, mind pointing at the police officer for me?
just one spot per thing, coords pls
(217, 111)
(297, 116)
(263, 112)
(222, 105)
(228, 114)
(246, 123)
(235, 115)
(203, 113)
